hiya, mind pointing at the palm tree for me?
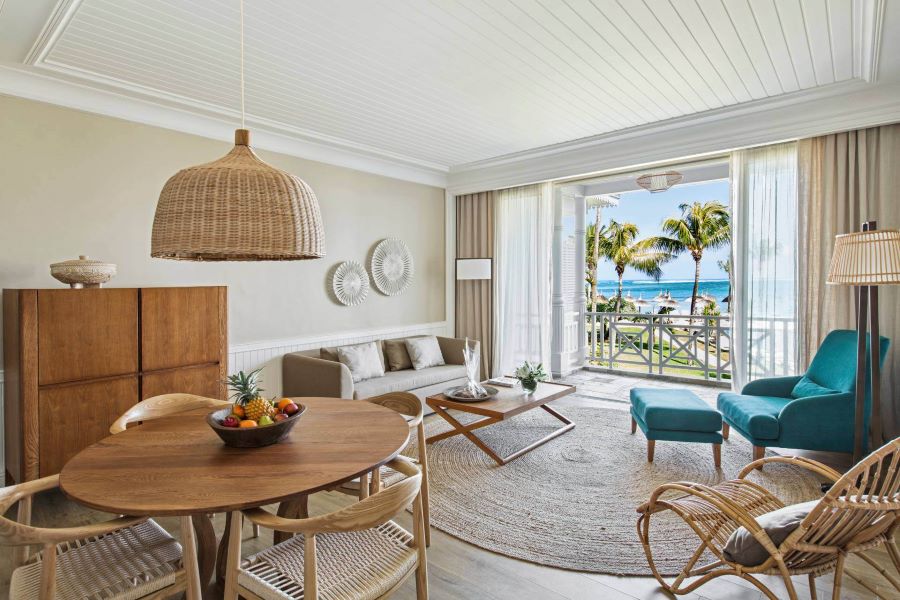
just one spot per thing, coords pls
(618, 244)
(725, 265)
(699, 227)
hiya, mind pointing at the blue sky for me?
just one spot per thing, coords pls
(648, 210)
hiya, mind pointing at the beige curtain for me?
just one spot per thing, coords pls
(474, 298)
(845, 179)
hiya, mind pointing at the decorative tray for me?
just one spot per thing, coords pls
(453, 394)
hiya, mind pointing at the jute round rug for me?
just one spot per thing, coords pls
(571, 502)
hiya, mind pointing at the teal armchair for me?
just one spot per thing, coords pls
(814, 411)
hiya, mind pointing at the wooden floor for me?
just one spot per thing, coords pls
(458, 570)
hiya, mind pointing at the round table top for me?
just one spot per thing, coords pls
(178, 466)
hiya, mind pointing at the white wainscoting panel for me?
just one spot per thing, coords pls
(267, 354)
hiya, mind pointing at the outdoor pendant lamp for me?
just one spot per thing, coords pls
(237, 208)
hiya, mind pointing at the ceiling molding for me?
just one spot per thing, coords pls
(25, 82)
(54, 27)
(799, 115)
(869, 22)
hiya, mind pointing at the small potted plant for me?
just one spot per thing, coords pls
(529, 375)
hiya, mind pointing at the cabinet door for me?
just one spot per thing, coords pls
(73, 417)
(182, 326)
(202, 381)
(86, 334)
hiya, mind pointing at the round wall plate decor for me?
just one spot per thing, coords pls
(392, 266)
(350, 283)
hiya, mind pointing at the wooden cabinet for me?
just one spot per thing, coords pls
(74, 360)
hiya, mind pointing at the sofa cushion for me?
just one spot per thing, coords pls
(408, 379)
(424, 352)
(755, 415)
(745, 550)
(674, 410)
(396, 355)
(363, 361)
(330, 352)
(806, 387)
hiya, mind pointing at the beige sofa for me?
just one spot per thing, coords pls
(318, 373)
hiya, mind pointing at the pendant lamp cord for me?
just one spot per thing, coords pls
(241, 2)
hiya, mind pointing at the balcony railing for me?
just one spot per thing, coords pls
(686, 346)
(675, 345)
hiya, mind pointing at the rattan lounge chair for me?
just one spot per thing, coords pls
(861, 511)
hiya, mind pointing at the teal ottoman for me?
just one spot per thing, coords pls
(675, 415)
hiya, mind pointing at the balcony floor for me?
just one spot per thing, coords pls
(614, 389)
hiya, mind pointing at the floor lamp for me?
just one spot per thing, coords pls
(866, 259)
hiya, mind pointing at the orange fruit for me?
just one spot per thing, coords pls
(238, 411)
(248, 423)
(284, 402)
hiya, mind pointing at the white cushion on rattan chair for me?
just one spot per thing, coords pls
(358, 565)
(124, 565)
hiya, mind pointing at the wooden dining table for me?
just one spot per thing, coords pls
(178, 466)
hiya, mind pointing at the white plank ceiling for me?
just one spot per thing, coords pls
(449, 82)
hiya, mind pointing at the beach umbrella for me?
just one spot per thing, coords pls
(669, 303)
(660, 297)
(727, 299)
(629, 298)
(707, 297)
(641, 303)
(700, 300)
(600, 298)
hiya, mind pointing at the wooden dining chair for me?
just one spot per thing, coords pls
(410, 407)
(122, 559)
(355, 553)
(163, 406)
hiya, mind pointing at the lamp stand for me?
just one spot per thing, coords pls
(867, 319)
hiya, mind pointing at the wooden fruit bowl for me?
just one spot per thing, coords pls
(252, 437)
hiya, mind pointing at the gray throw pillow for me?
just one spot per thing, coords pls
(424, 352)
(362, 360)
(396, 356)
(745, 550)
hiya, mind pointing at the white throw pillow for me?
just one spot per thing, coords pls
(424, 352)
(362, 360)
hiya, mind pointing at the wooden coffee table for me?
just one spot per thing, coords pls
(509, 403)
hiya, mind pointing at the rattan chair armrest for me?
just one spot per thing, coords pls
(798, 461)
(728, 507)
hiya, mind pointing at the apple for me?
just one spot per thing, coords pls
(290, 409)
(265, 420)
(280, 417)
(231, 421)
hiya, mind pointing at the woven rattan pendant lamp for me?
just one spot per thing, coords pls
(237, 208)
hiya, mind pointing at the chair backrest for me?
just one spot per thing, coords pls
(859, 507)
(371, 512)
(404, 403)
(834, 365)
(163, 406)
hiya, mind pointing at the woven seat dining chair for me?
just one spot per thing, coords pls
(165, 405)
(861, 511)
(355, 553)
(126, 558)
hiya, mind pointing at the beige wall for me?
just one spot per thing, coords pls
(76, 183)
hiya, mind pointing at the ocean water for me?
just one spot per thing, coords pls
(679, 288)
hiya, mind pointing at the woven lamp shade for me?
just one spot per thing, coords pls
(866, 258)
(237, 208)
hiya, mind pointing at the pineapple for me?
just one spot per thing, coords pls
(247, 394)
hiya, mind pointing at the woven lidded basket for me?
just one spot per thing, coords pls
(237, 208)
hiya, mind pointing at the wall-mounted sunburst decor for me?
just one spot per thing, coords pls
(350, 283)
(392, 266)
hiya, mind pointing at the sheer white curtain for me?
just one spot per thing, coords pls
(523, 231)
(764, 254)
